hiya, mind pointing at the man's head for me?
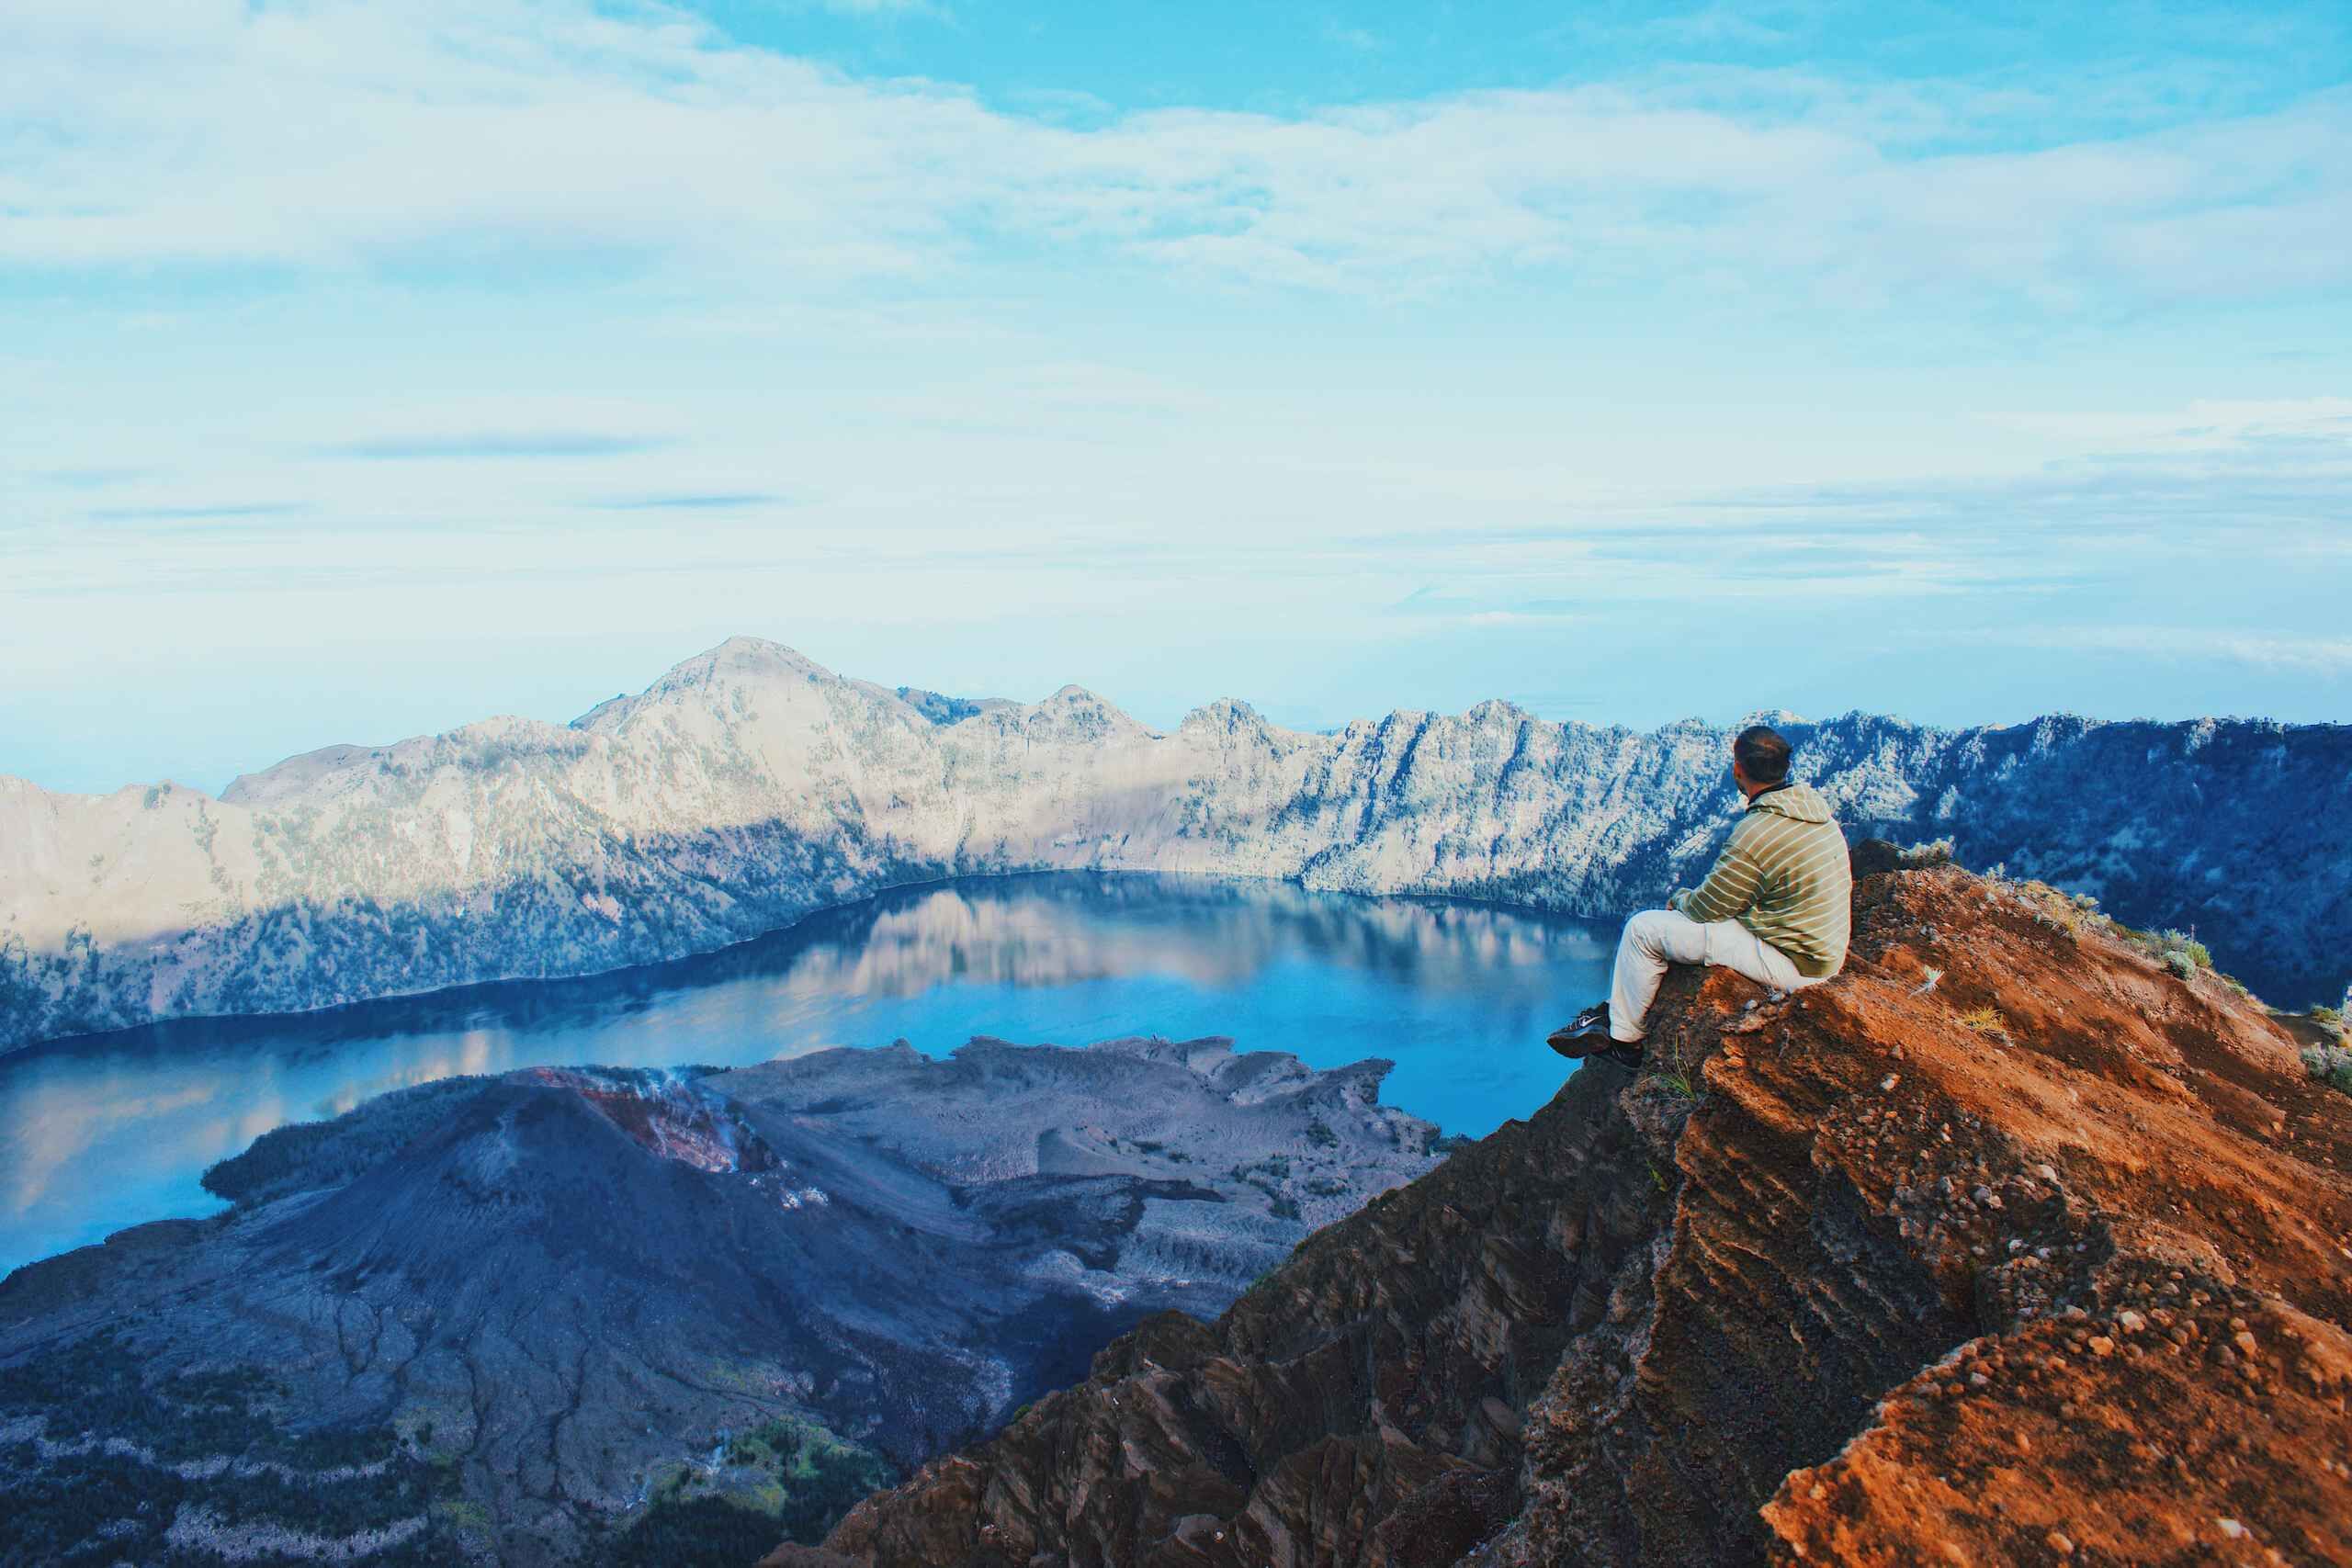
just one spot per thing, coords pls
(1760, 758)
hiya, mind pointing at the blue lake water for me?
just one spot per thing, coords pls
(111, 1129)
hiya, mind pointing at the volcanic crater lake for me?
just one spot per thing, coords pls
(112, 1130)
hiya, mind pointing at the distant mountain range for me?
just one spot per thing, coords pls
(749, 786)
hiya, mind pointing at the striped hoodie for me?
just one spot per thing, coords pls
(1784, 876)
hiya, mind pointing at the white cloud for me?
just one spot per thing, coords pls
(1356, 38)
(2189, 645)
(2206, 424)
(336, 135)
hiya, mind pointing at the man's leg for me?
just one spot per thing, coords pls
(1653, 940)
(1660, 937)
(1733, 946)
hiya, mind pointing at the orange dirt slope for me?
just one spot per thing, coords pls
(2007, 1246)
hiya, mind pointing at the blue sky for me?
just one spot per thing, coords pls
(366, 369)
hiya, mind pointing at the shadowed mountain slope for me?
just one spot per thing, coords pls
(2009, 1245)
(557, 1305)
(748, 787)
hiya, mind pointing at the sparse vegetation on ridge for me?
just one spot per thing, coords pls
(2332, 1064)
(154, 1467)
(785, 1480)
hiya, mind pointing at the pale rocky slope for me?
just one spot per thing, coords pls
(748, 787)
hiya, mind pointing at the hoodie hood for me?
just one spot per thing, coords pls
(1798, 803)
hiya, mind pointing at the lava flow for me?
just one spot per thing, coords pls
(669, 1116)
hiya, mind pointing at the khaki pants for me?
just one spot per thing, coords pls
(1659, 937)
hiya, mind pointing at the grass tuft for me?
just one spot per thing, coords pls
(1985, 1021)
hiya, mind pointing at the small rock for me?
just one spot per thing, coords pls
(2244, 1342)
(1889, 1082)
(2046, 1174)
(2230, 1527)
(2102, 1346)
(2057, 1541)
(2131, 1322)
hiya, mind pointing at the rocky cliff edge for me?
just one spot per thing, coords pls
(2009, 1245)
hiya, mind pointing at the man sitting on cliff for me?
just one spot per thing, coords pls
(1777, 907)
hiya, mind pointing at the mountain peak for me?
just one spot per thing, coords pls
(1228, 715)
(1073, 713)
(755, 655)
(737, 661)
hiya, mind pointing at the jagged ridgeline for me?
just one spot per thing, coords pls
(748, 787)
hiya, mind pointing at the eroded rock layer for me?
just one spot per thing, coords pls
(2009, 1244)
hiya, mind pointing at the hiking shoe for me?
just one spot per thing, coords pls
(1626, 1054)
(1583, 1036)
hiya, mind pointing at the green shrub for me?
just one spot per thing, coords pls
(2177, 951)
(2332, 1064)
(1921, 856)
(816, 1479)
(2171, 945)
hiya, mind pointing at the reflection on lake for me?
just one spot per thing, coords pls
(111, 1129)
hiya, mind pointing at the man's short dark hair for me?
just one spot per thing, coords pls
(1762, 753)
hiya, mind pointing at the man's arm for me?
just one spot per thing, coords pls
(1730, 887)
